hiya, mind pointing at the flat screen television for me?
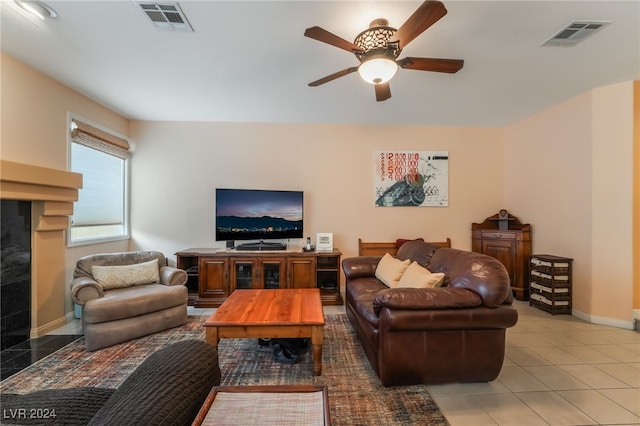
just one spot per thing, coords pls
(255, 214)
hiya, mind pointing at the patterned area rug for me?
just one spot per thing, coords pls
(356, 396)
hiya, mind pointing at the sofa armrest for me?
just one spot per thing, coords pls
(172, 276)
(425, 298)
(360, 266)
(84, 289)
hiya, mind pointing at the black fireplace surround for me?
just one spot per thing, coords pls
(15, 273)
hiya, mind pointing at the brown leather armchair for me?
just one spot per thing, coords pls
(453, 333)
(127, 295)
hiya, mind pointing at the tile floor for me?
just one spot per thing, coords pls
(558, 370)
(26, 353)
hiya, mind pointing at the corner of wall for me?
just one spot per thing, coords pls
(636, 198)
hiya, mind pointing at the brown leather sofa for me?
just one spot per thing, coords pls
(453, 333)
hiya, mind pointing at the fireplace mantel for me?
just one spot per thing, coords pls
(52, 193)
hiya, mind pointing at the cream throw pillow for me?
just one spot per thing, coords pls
(418, 277)
(390, 270)
(110, 277)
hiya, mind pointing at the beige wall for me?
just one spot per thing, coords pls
(33, 130)
(332, 164)
(612, 202)
(547, 169)
(34, 115)
(568, 171)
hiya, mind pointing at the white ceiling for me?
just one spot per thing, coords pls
(249, 61)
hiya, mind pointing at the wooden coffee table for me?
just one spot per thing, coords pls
(278, 313)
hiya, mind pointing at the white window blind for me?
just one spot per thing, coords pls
(101, 212)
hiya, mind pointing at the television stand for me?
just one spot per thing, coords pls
(261, 246)
(215, 273)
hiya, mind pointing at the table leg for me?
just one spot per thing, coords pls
(316, 345)
(211, 336)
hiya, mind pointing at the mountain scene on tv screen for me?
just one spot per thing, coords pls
(257, 227)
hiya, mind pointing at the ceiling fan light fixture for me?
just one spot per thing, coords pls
(377, 70)
(37, 8)
(378, 49)
(376, 36)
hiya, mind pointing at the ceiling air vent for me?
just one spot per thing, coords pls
(166, 16)
(575, 32)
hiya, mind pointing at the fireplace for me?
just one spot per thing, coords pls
(15, 272)
(43, 203)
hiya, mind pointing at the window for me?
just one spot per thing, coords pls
(101, 213)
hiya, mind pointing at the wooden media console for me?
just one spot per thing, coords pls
(214, 274)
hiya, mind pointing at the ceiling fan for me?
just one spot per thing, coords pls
(378, 47)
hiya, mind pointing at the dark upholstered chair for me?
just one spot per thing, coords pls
(168, 388)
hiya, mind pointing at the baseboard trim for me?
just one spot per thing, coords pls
(611, 322)
(47, 328)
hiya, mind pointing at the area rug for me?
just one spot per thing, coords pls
(356, 396)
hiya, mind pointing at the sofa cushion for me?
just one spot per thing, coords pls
(168, 388)
(401, 241)
(120, 276)
(360, 293)
(425, 299)
(390, 270)
(133, 301)
(417, 251)
(418, 277)
(477, 272)
(84, 264)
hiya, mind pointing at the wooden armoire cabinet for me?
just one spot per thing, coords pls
(503, 236)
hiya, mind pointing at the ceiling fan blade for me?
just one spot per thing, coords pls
(325, 36)
(431, 64)
(333, 76)
(426, 15)
(383, 91)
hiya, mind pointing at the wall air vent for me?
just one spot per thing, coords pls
(575, 32)
(166, 16)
